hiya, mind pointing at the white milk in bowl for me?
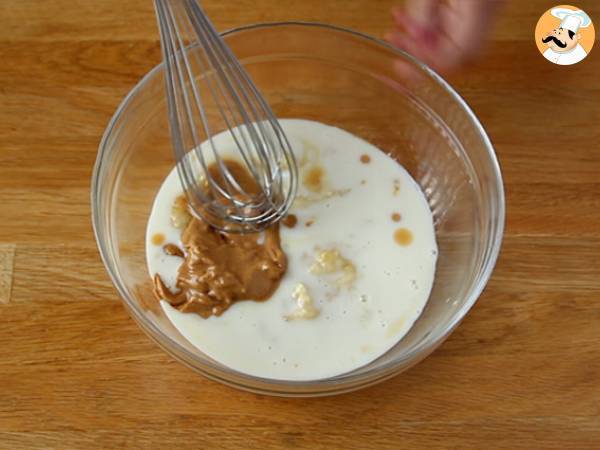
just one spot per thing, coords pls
(361, 256)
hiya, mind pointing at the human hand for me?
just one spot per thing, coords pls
(445, 34)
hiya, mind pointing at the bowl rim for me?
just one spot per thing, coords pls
(326, 386)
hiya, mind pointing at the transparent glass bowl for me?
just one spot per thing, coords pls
(351, 81)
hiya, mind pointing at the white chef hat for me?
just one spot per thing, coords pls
(571, 19)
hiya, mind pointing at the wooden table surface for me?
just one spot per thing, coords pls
(521, 371)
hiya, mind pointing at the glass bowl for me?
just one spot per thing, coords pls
(341, 78)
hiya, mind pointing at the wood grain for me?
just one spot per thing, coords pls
(520, 372)
(7, 260)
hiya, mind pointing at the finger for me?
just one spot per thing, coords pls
(398, 14)
(423, 12)
(433, 57)
(410, 46)
(447, 56)
(466, 23)
(404, 22)
(405, 69)
(404, 42)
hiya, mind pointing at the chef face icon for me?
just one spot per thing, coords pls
(565, 35)
(561, 40)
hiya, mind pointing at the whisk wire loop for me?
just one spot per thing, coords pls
(207, 86)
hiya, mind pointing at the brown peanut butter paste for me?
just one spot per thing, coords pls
(220, 268)
(173, 250)
(290, 220)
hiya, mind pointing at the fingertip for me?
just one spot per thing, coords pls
(398, 13)
(397, 39)
(406, 23)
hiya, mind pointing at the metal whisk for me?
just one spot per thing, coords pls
(208, 91)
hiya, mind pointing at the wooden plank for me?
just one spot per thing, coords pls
(7, 259)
